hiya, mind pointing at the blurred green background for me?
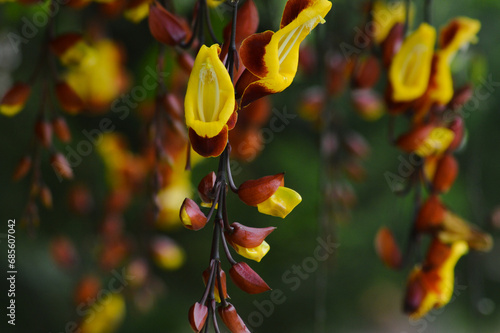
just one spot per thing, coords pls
(362, 295)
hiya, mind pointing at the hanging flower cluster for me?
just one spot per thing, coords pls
(420, 86)
(212, 105)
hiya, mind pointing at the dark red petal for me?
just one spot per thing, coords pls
(247, 280)
(247, 236)
(293, 9)
(252, 52)
(209, 147)
(253, 192)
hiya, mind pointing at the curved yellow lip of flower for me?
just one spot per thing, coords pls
(410, 69)
(441, 86)
(10, 110)
(459, 32)
(254, 253)
(210, 97)
(281, 203)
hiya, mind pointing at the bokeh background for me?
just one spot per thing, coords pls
(362, 295)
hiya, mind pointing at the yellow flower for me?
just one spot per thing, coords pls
(255, 253)
(411, 67)
(385, 16)
(106, 315)
(456, 35)
(167, 254)
(170, 198)
(136, 11)
(271, 58)
(431, 286)
(99, 78)
(209, 103)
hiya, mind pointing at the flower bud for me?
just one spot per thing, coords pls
(87, 289)
(137, 10)
(461, 96)
(312, 104)
(338, 70)
(68, 98)
(392, 43)
(222, 277)
(61, 165)
(70, 48)
(430, 215)
(46, 196)
(80, 199)
(61, 129)
(457, 126)
(246, 279)
(191, 215)
(366, 73)
(206, 186)
(411, 140)
(63, 252)
(22, 168)
(43, 130)
(174, 106)
(367, 104)
(231, 319)
(197, 316)
(246, 143)
(446, 172)
(387, 249)
(165, 26)
(357, 145)
(15, 99)
(253, 253)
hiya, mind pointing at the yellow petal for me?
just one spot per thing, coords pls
(436, 143)
(441, 89)
(411, 67)
(457, 34)
(210, 98)
(138, 13)
(385, 16)
(10, 110)
(105, 315)
(281, 203)
(447, 272)
(255, 253)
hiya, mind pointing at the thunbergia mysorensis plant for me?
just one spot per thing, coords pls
(211, 110)
(421, 87)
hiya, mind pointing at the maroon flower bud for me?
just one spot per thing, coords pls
(206, 186)
(461, 96)
(387, 249)
(222, 277)
(63, 43)
(246, 236)
(197, 316)
(15, 99)
(46, 196)
(392, 43)
(165, 26)
(191, 215)
(367, 104)
(43, 130)
(61, 129)
(61, 165)
(231, 319)
(22, 168)
(186, 61)
(366, 73)
(431, 214)
(63, 252)
(253, 192)
(173, 106)
(357, 145)
(247, 280)
(457, 126)
(446, 172)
